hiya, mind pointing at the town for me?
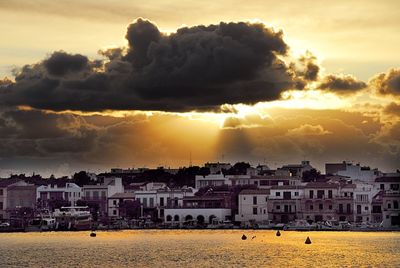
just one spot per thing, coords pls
(347, 196)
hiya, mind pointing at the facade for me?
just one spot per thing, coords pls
(354, 172)
(98, 194)
(363, 195)
(114, 202)
(297, 169)
(211, 180)
(319, 201)
(253, 207)
(70, 192)
(15, 193)
(285, 203)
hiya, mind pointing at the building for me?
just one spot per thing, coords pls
(114, 204)
(319, 203)
(297, 169)
(99, 193)
(15, 193)
(354, 172)
(211, 180)
(363, 195)
(391, 209)
(344, 203)
(70, 193)
(198, 210)
(284, 203)
(253, 207)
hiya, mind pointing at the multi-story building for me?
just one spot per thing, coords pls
(363, 195)
(319, 201)
(344, 203)
(284, 203)
(354, 172)
(98, 194)
(115, 210)
(297, 169)
(15, 193)
(70, 193)
(253, 207)
(391, 208)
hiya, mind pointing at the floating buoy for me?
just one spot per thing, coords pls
(278, 233)
(244, 237)
(308, 240)
(92, 234)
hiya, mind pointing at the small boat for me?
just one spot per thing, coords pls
(73, 218)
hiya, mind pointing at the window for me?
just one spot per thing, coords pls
(254, 200)
(1, 191)
(358, 209)
(1, 205)
(330, 207)
(330, 194)
(340, 208)
(161, 201)
(394, 187)
(278, 207)
(144, 201)
(311, 207)
(395, 204)
(345, 194)
(382, 186)
(114, 202)
(151, 201)
(320, 194)
(114, 212)
(278, 194)
(266, 199)
(311, 193)
(95, 194)
(366, 208)
(255, 211)
(321, 206)
(103, 194)
(296, 193)
(389, 205)
(265, 211)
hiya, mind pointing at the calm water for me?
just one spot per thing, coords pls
(198, 248)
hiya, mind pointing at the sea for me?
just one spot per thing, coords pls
(200, 248)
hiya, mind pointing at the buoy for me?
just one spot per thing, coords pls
(244, 237)
(92, 234)
(278, 233)
(308, 240)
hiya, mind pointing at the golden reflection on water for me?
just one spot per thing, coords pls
(199, 248)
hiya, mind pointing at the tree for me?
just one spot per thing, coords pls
(130, 209)
(81, 178)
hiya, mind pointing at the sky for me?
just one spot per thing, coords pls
(99, 84)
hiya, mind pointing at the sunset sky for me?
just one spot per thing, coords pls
(99, 84)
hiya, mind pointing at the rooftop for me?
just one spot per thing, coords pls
(255, 191)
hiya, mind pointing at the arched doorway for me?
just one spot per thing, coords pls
(200, 219)
(176, 218)
(169, 218)
(188, 218)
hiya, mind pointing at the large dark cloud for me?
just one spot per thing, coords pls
(344, 84)
(195, 68)
(387, 83)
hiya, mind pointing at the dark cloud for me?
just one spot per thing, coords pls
(345, 84)
(195, 68)
(61, 63)
(311, 68)
(387, 83)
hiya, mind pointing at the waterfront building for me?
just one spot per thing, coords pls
(198, 210)
(99, 193)
(363, 195)
(15, 193)
(115, 201)
(211, 180)
(284, 203)
(319, 201)
(70, 192)
(344, 202)
(253, 207)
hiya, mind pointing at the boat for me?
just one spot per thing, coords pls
(299, 225)
(220, 224)
(73, 218)
(40, 224)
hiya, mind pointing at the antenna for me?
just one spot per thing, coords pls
(190, 158)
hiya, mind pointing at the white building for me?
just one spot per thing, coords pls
(211, 180)
(363, 195)
(70, 192)
(180, 216)
(354, 172)
(252, 207)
